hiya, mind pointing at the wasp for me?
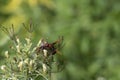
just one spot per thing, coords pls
(52, 48)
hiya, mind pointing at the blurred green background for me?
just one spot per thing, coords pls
(91, 30)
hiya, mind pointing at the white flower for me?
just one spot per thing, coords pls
(6, 54)
(18, 48)
(18, 41)
(44, 68)
(26, 61)
(31, 63)
(3, 67)
(45, 52)
(20, 65)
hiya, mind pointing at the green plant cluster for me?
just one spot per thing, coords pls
(28, 62)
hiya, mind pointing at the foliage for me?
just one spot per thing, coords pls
(90, 28)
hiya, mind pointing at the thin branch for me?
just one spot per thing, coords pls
(10, 32)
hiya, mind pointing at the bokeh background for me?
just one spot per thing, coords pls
(91, 30)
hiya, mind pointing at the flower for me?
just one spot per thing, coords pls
(45, 52)
(28, 40)
(6, 54)
(26, 60)
(18, 41)
(20, 65)
(31, 63)
(18, 48)
(3, 67)
(44, 68)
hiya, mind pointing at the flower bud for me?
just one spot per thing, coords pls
(45, 52)
(18, 48)
(18, 41)
(20, 65)
(28, 40)
(6, 54)
(44, 68)
(26, 61)
(3, 67)
(31, 63)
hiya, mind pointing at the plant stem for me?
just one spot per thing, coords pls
(49, 75)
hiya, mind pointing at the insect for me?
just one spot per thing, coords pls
(52, 48)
